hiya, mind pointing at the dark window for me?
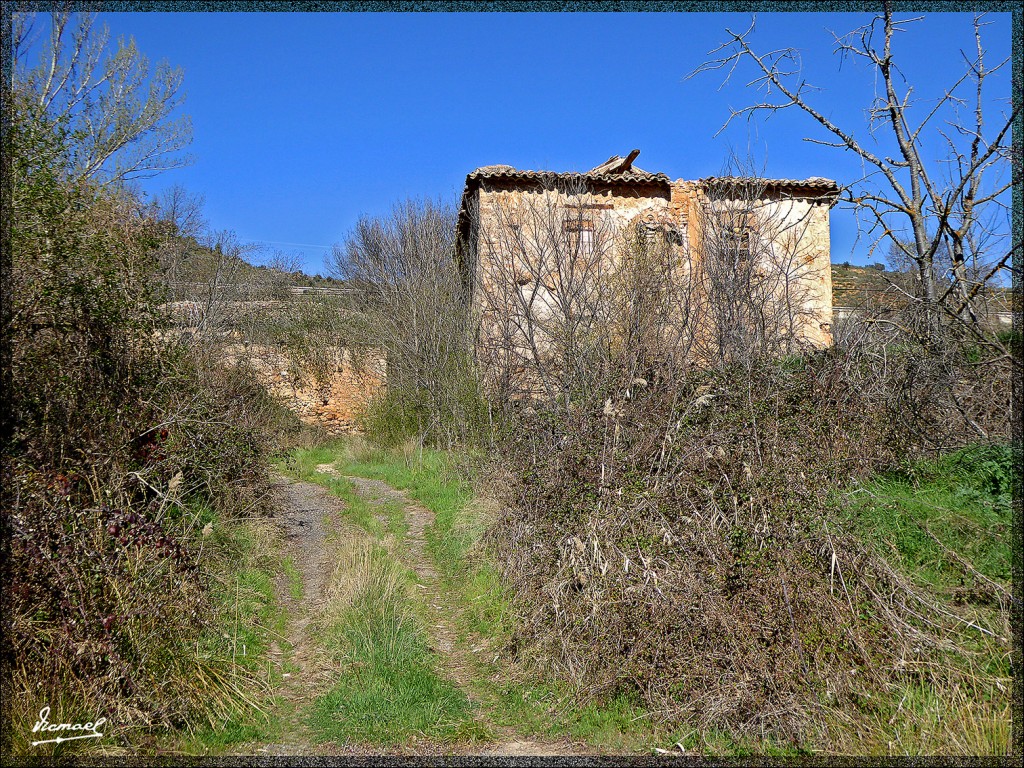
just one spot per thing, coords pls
(736, 235)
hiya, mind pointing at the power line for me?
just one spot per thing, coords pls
(279, 243)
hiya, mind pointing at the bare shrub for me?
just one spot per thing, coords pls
(677, 542)
(946, 388)
(408, 298)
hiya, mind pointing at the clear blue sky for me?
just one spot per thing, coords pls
(302, 122)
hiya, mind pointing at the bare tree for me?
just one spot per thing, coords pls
(543, 292)
(406, 296)
(118, 111)
(915, 204)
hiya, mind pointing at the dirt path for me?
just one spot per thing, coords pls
(440, 609)
(304, 508)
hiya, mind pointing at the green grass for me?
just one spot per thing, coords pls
(431, 478)
(383, 693)
(937, 520)
(246, 619)
(945, 523)
(917, 518)
(388, 690)
(291, 572)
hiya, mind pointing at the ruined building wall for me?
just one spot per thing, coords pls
(798, 229)
(794, 255)
(801, 235)
(334, 401)
(532, 263)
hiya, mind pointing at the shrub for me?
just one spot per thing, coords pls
(119, 436)
(675, 540)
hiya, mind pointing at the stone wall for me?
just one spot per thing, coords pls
(335, 399)
(798, 228)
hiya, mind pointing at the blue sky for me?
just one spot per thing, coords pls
(303, 122)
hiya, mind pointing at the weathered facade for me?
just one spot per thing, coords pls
(331, 394)
(537, 245)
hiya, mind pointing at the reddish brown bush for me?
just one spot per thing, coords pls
(675, 540)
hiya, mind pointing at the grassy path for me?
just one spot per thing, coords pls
(441, 611)
(377, 625)
(375, 656)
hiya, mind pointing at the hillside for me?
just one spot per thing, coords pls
(190, 268)
(854, 286)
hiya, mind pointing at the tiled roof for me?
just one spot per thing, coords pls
(508, 173)
(816, 183)
(615, 170)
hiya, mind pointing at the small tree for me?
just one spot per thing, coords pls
(406, 297)
(116, 115)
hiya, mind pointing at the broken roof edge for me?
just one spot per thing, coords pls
(619, 170)
(816, 186)
(820, 186)
(508, 173)
(615, 170)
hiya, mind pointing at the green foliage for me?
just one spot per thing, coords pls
(389, 689)
(942, 519)
(245, 618)
(393, 417)
(449, 410)
(121, 445)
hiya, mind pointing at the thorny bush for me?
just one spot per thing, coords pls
(673, 539)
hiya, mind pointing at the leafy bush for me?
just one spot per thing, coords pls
(119, 434)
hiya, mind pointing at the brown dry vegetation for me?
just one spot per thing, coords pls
(674, 539)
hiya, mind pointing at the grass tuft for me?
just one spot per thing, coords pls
(388, 689)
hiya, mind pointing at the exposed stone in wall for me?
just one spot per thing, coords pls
(335, 400)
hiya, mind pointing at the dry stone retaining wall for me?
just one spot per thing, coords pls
(333, 400)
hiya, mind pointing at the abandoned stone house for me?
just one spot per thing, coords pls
(543, 256)
(540, 250)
